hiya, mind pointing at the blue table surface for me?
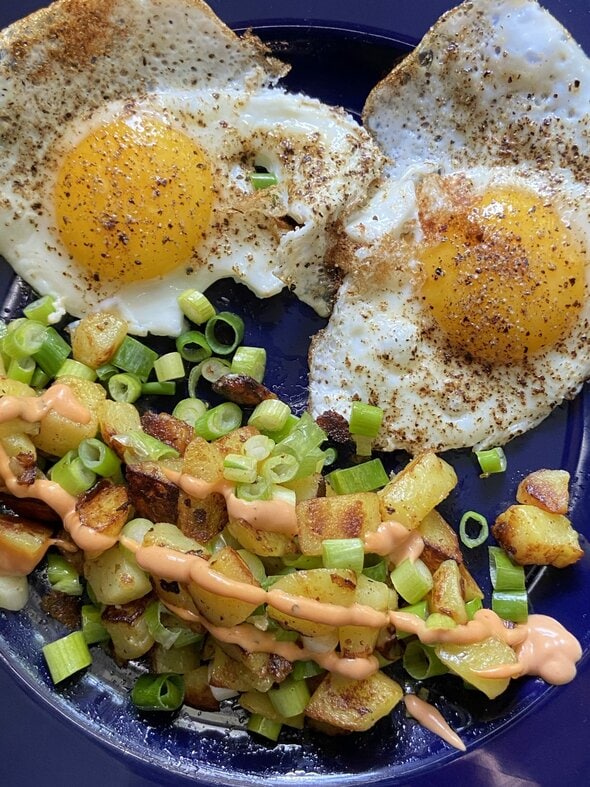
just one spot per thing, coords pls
(39, 747)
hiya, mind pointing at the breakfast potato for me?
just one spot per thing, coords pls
(170, 536)
(446, 595)
(151, 494)
(15, 426)
(179, 660)
(58, 434)
(197, 692)
(410, 495)
(117, 418)
(266, 665)
(360, 641)
(532, 535)
(23, 544)
(233, 443)
(227, 673)
(97, 338)
(330, 586)
(201, 519)
(440, 541)
(168, 429)
(260, 703)
(19, 444)
(471, 589)
(203, 460)
(546, 489)
(217, 609)
(115, 577)
(104, 508)
(354, 705)
(465, 660)
(343, 516)
(128, 629)
(264, 543)
(175, 594)
(308, 487)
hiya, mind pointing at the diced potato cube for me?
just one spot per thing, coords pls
(257, 702)
(174, 594)
(22, 545)
(116, 418)
(203, 460)
(151, 494)
(116, 578)
(531, 535)
(440, 541)
(446, 595)
(128, 629)
(104, 508)
(546, 489)
(353, 705)
(308, 487)
(13, 426)
(168, 429)
(201, 518)
(178, 660)
(465, 660)
(471, 589)
(360, 641)
(97, 338)
(262, 542)
(227, 673)
(343, 516)
(197, 692)
(233, 442)
(410, 495)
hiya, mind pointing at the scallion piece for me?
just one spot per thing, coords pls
(224, 332)
(168, 637)
(169, 367)
(193, 346)
(472, 606)
(304, 562)
(250, 361)
(278, 492)
(511, 605)
(142, 447)
(25, 339)
(106, 371)
(262, 180)
(412, 580)
(270, 415)
(135, 358)
(279, 468)
(378, 571)
(491, 461)
(290, 698)
(195, 306)
(420, 609)
(165, 388)
(365, 419)
(62, 575)
(71, 474)
(306, 669)
(21, 369)
(219, 421)
(365, 477)
(164, 692)
(39, 378)
(343, 553)
(259, 446)
(266, 727)
(239, 468)
(504, 574)
(52, 353)
(482, 524)
(73, 368)
(259, 490)
(438, 620)
(214, 368)
(40, 310)
(124, 387)
(92, 627)
(189, 410)
(98, 457)
(281, 434)
(330, 456)
(421, 662)
(67, 656)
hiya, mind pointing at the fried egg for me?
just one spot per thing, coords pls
(129, 133)
(465, 312)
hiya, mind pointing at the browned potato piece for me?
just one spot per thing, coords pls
(360, 641)
(197, 692)
(116, 418)
(466, 660)
(343, 516)
(151, 494)
(115, 577)
(261, 542)
(22, 545)
(233, 442)
(174, 594)
(446, 595)
(257, 702)
(471, 589)
(168, 429)
(308, 487)
(440, 541)
(227, 673)
(203, 460)
(546, 489)
(531, 535)
(104, 508)
(179, 660)
(410, 495)
(16, 426)
(353, 705)
(202, 518)
(97, 338)
(128, 629)
(266, 665)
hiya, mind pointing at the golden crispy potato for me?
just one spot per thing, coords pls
(104, 508)
(360, 641)
(446, 595)
(151, 494)
(440, 541)
(201, 519)
(128, 629)
(343, 516)
(97, 338)
(168, 429)
(262, 542)
(465, 660)
(115, 577)
(23, 544)
(217, 609)
(546, 489)
(227, 673)
(471, 589)
(197, 692)
(533, 536)
(233, 442)
(116, 418)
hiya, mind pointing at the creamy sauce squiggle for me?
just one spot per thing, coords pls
(428, 716)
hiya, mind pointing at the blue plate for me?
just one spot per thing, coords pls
(87, 732)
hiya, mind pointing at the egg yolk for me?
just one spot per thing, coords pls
(507, 279)
(133, 199)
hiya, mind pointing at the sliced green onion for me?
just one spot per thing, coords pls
(262, 180)
(21, 369)
(52, 353)
(278, 492)
(421, 662)
(164, 692)
(482, 523)
(419, 609)
(106, 371)
(169, 367)
(378, 571)
(504, 574)
(177, 636)
(259, 446)
(266, 727)
(142, 447)
(438, 620)
(40, 310)
(304, 562)
(250, 361)
(39, 378)
(259, 490)
(67, 656)
(363, 445)
(124, 387)
(136, 529)
(165, 388)
(214, 368)
(365, 477)
(412, 580)
(193, 346)
(473, 606)
(285, 635)
(302, 438)
(290, 698)
(280, 468)
(71, 474)
(190, 410)
(270, 415)
(491, 461)
(219, 421)
(280, 434)
(25, 340)
(98, 457)
(135, 358)
(224, 332)
(343, 553)
(330, 456)
(92, 627)
(195, 306)
(306, 669)
(365, 419)
(76, 369)
(240, 468)
(511, 605)
(63, 576)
